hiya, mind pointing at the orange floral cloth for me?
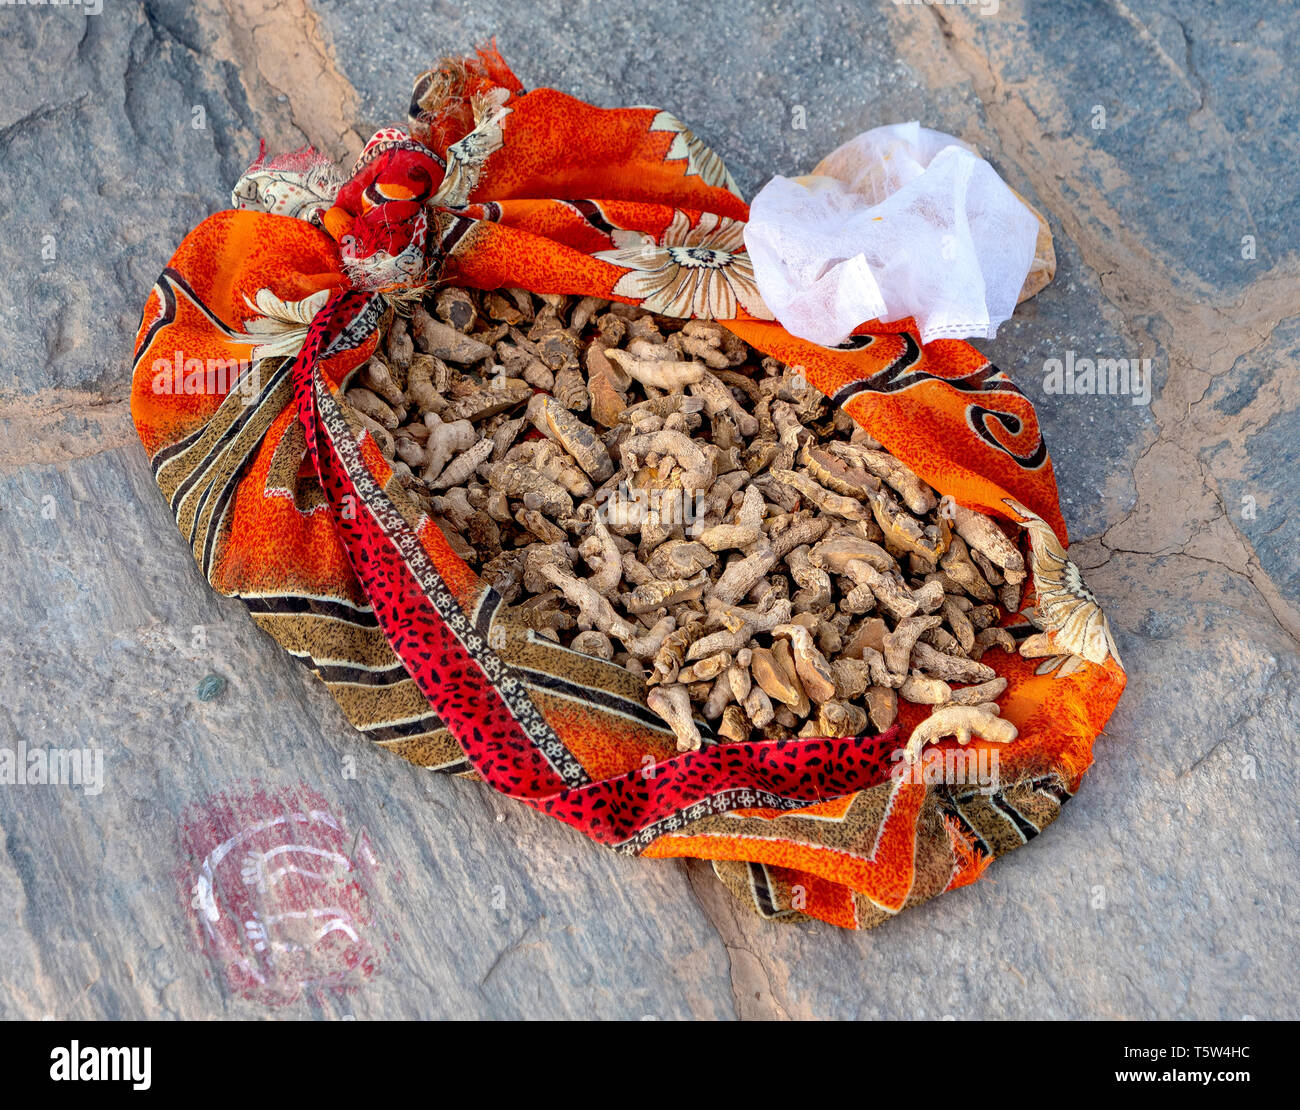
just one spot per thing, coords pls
(253, 330)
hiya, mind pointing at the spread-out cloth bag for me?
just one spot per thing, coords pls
(264, 312)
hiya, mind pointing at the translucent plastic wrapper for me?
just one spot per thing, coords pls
(901, 221)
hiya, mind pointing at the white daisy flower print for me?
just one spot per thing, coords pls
(701, 270)
(1066, 608)
(701, 161)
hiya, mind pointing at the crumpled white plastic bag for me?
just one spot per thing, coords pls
(901, 221)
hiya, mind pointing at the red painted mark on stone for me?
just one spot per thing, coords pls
(281, 894)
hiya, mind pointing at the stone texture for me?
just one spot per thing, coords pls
(1163, 891)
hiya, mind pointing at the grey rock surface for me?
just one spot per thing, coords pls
(1166, 888)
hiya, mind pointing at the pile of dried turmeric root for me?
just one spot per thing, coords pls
(654, 492)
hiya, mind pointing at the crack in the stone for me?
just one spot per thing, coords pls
(39, 116)
(739, 989)
(1229, 732)
(514, 946)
